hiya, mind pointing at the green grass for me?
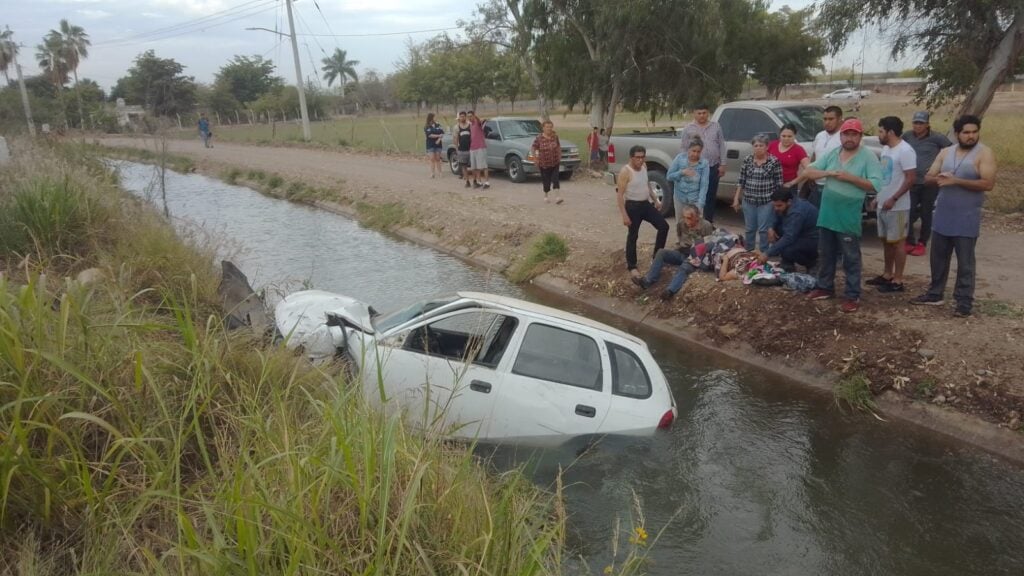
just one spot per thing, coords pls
(854, 391)
(547, 250)
(231, 175)
(138, 437)
(173, 161)
(274, 181)
(381, 216)
(999, 309)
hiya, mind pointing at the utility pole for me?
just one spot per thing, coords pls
(298, 75)
(24, 95)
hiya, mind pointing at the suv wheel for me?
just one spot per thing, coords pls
(514, 167)
(453, 161)
(663, 189)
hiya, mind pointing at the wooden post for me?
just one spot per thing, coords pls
(217, 114)
(237, 119)
(179, 120)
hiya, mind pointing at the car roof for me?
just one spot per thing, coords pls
(540, 310)
(770, 103)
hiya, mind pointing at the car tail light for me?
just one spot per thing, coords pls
(666, 420)
(611, 153)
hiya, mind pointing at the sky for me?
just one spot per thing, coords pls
(203, 35)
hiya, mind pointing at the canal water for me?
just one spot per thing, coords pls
(758, 476)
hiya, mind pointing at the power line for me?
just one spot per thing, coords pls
(240, 12)
(380, 33)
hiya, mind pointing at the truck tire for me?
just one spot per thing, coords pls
(453, 161)
(515, 169)
(663, 189)
(566, 175)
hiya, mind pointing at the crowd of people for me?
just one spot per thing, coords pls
(806, 210)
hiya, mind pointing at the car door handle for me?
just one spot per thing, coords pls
(732, 154)
(480, 386)
(583, 410)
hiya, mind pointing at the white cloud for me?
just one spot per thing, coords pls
(94, 14)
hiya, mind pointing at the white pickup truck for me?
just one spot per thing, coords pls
(740, 122)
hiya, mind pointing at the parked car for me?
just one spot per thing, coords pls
(487, 367)
(508, 148)
(846, 94)
(740, 122)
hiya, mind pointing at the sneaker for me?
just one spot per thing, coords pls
(666, 295)
(927, 300)
(919, 250)
(486, 185)
(850, 306)
(962, 311)
(878, 281)
(891, 287)
(908, 247)
(819, 294)
(476, 184)
(640, 281)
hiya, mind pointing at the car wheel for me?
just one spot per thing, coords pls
(663, 189)
(514, 167)
(453, 161)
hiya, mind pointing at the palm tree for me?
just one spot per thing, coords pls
(8, 50)
(338, 67)
(51, 58)
(76, 48)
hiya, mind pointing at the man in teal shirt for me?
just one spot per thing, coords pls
(851, 171)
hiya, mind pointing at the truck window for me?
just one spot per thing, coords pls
(491, 130)
(745, 124)
(807, 119)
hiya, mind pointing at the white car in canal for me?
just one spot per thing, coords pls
(480, 366)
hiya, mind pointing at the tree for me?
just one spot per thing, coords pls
(51, 57)
(158, 83)
(246, 79)
(338, 67)
(8, 51)
(75, 47)
(786, 50)
(969, 47)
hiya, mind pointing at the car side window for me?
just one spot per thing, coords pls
(558, 355)
(749, 123)
(476, 336)
(726, 120)
(629, 377)
(491, 130)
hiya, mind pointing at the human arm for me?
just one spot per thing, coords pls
(620, 193)
(789, 227)
(723, 156)
(909, 177)
(741, 182)
(872, 180)
(675, 171)
(704, 173)
(986, 167)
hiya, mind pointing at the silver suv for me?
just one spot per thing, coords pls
(508, 148)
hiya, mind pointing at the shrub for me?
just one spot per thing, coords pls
(545, 252)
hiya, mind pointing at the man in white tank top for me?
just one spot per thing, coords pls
(637, 203)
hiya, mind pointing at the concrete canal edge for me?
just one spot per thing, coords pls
(893, 407)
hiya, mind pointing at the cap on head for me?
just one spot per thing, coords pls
(921, 116)
(852, 124)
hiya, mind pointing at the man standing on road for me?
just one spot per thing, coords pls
(962, 173)
(478, 151)
(637, 203)
(899, 169)
(794, 237)
(922, 195)
(824, 142)
(463, 137)
(850, 172)
(711, 136)
(204, 130)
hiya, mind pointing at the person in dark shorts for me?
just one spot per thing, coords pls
(463, 136)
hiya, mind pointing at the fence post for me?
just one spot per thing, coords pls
(179, 120)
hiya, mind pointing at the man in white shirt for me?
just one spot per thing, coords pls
(899, 172)
(824, 142)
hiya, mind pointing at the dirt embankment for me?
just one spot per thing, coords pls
(925, 354)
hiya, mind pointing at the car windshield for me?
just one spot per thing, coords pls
(403, 315)
(807, 120)
(519, 128)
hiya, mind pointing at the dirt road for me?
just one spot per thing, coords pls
(588, 219)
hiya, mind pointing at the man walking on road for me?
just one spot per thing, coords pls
(899, 169)
(637, 203)
(204, 130)
(711, 136)
(463, 137)
(850, 172)
(927, 145)
(478, 151)
(824, 142)
(963, 173)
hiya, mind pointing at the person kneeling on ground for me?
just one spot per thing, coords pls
(794, 237)
(692, 232)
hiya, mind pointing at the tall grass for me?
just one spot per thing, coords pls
(137, 436)
(547, 250)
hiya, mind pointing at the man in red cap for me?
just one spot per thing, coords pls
(850, 172)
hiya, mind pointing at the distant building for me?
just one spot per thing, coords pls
(126, 114)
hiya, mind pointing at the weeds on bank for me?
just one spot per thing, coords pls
(175, 162)
(138, 437)
(381, 216)
(1000, 309)
(854, 391)
(545, 252)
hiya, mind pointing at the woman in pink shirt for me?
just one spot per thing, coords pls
(791, 155)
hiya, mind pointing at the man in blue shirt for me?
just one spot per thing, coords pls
(204, 130)
(794, 238)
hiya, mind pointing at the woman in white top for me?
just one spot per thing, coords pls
(637, 203)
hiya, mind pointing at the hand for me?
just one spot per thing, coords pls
(772, 236)
(736, 204)
(789, 184)
(945, 178)
(626, 221)
(690, 172)
(838, 175)
(873, 205)
(657, 205)
(721, 170)
(762, 257)
(889, 203)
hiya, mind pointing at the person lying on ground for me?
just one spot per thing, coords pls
(695, 230)
(736, 262)
(794, 237)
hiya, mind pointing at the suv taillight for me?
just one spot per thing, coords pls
(666, 420)
(611, 153)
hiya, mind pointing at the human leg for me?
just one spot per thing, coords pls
(634, 211)
(545, 178)
(661, 258)
(849, 245)
(963, 290)
(680, 277)
(710, 199)
(938, 260)
(765, 218)
(928, 195)
(828, 254)
(678, 202)
(652, 215)
(749, 225)
(915, 213)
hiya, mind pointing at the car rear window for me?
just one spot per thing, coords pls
(561, 356)
(629, 377)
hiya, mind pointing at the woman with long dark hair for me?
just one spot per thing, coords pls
(433, 131)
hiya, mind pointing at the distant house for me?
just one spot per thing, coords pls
(128, 115)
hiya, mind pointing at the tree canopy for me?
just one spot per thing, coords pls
(158, 84)
(247, 78)
(338, 67)
(788, 52)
